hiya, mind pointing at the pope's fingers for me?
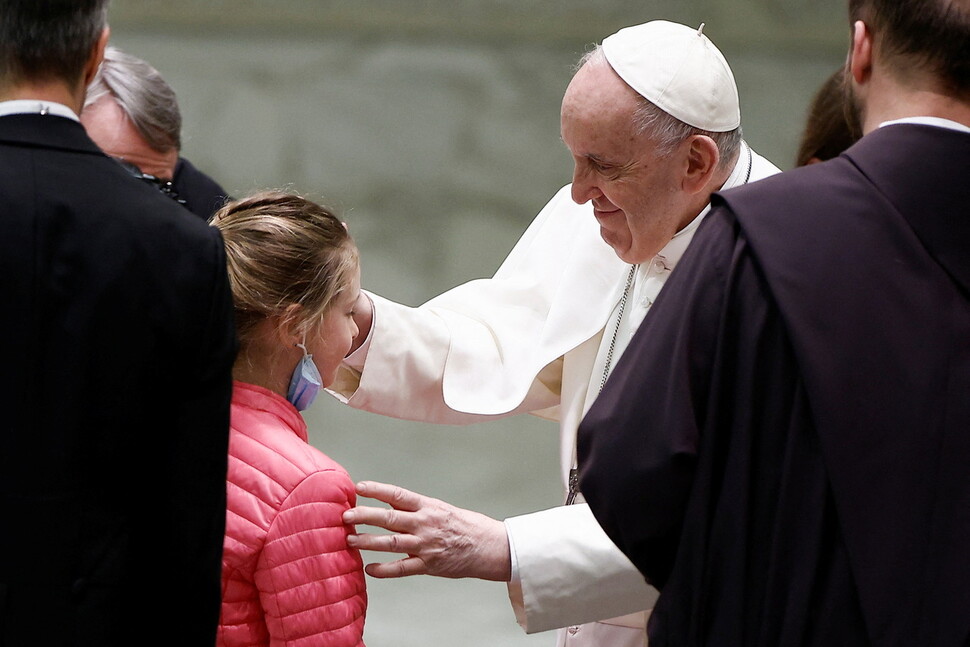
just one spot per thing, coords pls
(398, 568)
(394, 543)
(393, 495)
(394, 520)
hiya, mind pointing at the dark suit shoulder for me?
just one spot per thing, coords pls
(89, 227)
(203, 195)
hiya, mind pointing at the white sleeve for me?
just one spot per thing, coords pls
(569, 572)
(490, 347)
(403, 366)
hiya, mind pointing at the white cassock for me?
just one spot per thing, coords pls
(534, 338)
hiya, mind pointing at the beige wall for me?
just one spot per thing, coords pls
(433, 125)
(787, 22)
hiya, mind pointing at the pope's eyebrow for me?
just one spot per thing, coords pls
(599, 160)
(614, 167)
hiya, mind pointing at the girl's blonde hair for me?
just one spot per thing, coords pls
(284, 250)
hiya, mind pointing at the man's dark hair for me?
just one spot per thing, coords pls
(932, 35)
(48, 40)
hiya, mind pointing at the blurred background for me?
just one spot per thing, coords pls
(433, 127)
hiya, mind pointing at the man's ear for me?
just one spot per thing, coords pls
(97, 55)
(702, 161)
(860, 53)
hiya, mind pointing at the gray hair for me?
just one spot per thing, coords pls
(144, 96)
(662, 128)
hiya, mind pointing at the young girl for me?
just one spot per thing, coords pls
(288, 576)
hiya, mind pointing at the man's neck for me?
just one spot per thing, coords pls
(54, 92)
(893, 102)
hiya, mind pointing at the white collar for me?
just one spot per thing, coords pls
(928, 121)
(35, 107)
(741, 174)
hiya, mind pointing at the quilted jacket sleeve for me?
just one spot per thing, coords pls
(311, 583)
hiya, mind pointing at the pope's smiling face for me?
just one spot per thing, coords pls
(635, 191)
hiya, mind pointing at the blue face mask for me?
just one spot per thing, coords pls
(305, 383)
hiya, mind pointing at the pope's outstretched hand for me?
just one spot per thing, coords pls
(438, 538)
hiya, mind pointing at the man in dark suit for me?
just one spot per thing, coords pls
(117, 343)
(784, 448)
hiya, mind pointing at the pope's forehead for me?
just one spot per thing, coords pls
(596, 86)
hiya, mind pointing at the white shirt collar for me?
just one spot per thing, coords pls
(35, 107)
(928, 121)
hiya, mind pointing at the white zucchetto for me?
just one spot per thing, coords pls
(678, 69)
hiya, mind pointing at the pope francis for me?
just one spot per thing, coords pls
(652, 121)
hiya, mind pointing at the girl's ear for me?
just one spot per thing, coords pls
(289, 326)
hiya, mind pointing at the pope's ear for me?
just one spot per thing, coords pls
(702, 161)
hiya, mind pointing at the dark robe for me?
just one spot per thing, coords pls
(203, 196)
(784, 447)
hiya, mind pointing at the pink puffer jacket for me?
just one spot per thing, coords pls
(288, 576)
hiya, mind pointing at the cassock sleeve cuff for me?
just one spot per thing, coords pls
(568, 572)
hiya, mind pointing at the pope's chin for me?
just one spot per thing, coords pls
(608, 221)
(611, 239)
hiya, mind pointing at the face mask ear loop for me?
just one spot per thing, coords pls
(302, 346)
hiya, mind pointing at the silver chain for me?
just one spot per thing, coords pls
(574, 472)
(616, 330)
